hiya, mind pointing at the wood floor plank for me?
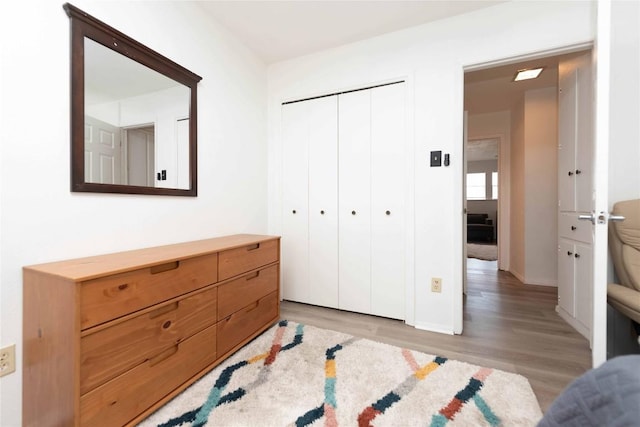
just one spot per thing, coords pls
(507, 325)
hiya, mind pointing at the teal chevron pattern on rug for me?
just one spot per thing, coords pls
(298, 375)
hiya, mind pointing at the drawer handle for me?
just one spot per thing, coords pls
(123, 287)
(353, 212)
(166, 325)
(569, 253)
(253, 247)
(577, 255)
(570, 173)
(253, 276)
(573, 228)
(162, 310)
(388, 212)
(163, 356)
(165, 267)
(253, 307)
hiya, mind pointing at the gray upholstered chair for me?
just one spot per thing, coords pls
(624, 245)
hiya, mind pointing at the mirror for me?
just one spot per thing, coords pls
(133, 115)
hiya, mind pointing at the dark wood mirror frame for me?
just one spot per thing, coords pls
(84, 25)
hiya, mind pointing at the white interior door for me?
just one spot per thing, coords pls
(295, 222)
(599, 201)
(387, 200)
(567, 114)
(354, 201)
(322, 120)
(465, 141)
(103, 152)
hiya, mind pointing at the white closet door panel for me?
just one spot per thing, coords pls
(354, 201)
(387, 200)
(295, 223)
(583, 299)
(566, 275)
(323, 201)
(584, 135)
(567, 104)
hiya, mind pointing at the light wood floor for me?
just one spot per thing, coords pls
(507, 326)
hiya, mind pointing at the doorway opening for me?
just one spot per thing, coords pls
(138, 159)
(525, 120)
(482, 189)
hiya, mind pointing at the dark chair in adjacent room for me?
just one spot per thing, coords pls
(479, 228)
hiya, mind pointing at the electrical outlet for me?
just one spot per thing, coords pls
(7, 360)
(436, 284)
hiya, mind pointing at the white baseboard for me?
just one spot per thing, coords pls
(432, 328)
(539, 282)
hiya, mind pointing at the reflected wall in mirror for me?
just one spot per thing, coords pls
(133, 115)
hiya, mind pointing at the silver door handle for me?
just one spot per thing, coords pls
(590, 217)
(601, 218)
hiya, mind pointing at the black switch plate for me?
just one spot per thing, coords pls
(436, 158)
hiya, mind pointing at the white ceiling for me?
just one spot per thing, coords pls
(279, 30)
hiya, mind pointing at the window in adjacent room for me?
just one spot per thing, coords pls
(476, 186)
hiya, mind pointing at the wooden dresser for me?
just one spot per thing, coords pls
(108, 339)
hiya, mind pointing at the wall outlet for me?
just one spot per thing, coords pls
(7, 360)
(436, 284)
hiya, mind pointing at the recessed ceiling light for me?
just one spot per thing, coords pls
(531, 73)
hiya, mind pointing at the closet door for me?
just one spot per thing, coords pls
(566, 276)
(295, 222)
(584, 132)
(567, 104)
(354, 201)
(322, 116)
(387, 200)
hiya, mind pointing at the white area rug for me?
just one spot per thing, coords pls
(297, 375)
(484, 252)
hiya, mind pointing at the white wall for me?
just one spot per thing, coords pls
(534, 188)
(517, 234)
(541, 186)
(41, 220)
(432, 57)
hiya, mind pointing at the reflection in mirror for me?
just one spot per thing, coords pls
(133, 114)
(133, 126)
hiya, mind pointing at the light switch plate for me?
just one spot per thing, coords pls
(436, 158)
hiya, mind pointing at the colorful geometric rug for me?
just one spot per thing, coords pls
(298, 375)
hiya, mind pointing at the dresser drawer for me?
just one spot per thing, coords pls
(120, 400)
(240, 260)
(114, 296)
(109, 352)
(570, 227)
(246, 321)
(241, 292)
